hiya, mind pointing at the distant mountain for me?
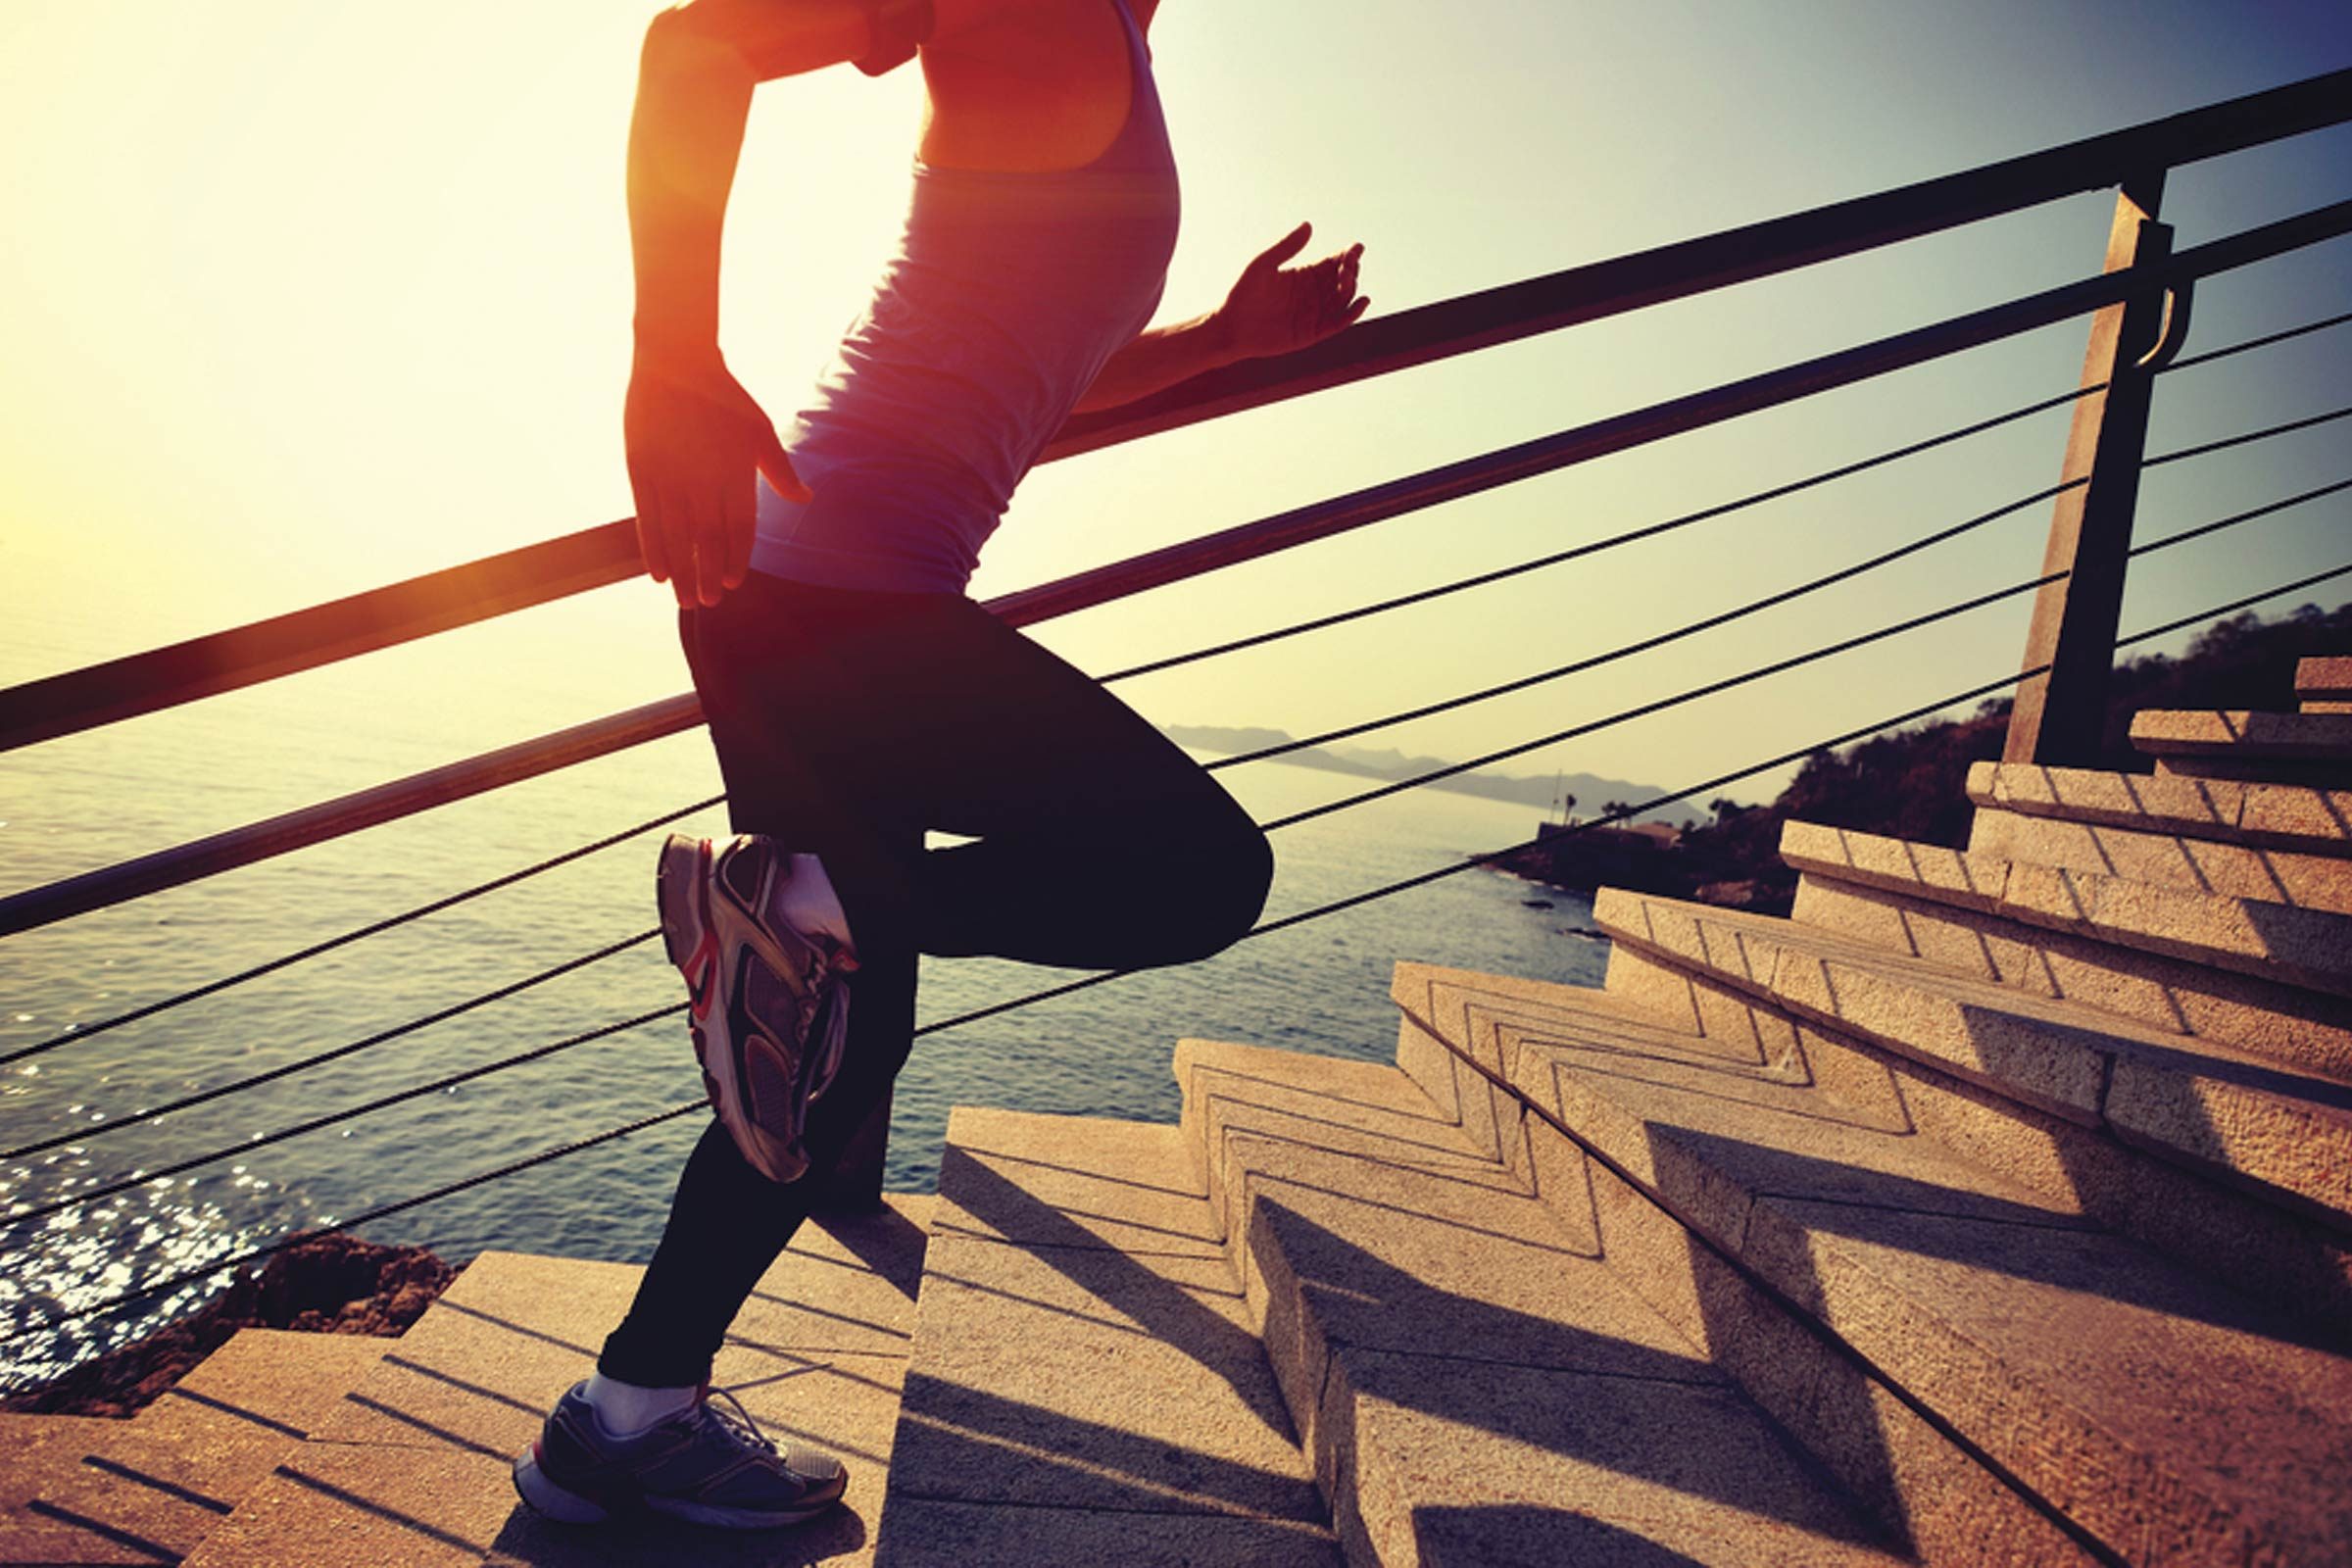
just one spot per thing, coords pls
(1590, 790)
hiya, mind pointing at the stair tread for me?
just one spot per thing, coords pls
(2070, 1356)
(1080, 1351)
(361, 1505)
(1443, 1240)
(2328, 678)
(483, 1367)
(2240, 1115)
(1499, 1394)
(412, 1463)
(2259, 937)
(2243, 732)
(2296, 816)
(2167, 859)
(1078, 1198)
(274, 1380)
(99, 1489)
(1749, 944)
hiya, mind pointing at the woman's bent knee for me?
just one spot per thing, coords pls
(1227, 873)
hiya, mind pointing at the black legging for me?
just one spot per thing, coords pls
(847, 725)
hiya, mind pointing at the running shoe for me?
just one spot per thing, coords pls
(769, 1007)
(708, 1464)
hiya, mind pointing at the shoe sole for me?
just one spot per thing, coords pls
(678, 882)
(681, 887)
(543, 1496)
(700, 1514)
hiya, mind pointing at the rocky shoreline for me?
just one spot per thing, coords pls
(325, 1283)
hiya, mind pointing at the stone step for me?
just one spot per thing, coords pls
(2264, 976)
(2170, 1420)
(2238, 743)
(2325, 685)
(1085, 1387)
(1473, 1384)
(2298, 818)
(83, 1489)
(2167, 859)
(2267, 939)
(266, 1380)
(2264, 1124)
(411, 1465)
(94, 1489)
(2292, 1262)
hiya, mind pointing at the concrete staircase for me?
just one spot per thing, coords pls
(1995, 1210)
(305, 1450)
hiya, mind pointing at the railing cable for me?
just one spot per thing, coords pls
(2262, 434)
(1285, 922)
(82, 1134)
(2236, 517)
(1660, 640)
(141, 1178)
(374, 928)
(1744, 502)
(2253, 343)
(1709, 689)
(1612, 542)
(1753, 606)
(255, 1254)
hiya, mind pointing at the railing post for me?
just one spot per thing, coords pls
(2059, 715)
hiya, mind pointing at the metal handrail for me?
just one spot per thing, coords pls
(146, 682)
(313, 824)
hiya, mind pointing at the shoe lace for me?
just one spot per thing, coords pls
(734, 1421)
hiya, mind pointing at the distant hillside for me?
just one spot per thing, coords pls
(1591, 791)
(1912, 783)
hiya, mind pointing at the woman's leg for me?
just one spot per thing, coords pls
(846, 724)
(728, 1223)
(1098, 842)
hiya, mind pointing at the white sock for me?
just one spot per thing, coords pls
(625, 1409)
(807, 903)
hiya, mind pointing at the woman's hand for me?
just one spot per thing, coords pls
(696, 444)
(1273, 310)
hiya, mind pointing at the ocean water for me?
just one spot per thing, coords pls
(92, 799)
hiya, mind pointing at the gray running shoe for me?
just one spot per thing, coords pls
(708, 1464)
(769, 1007)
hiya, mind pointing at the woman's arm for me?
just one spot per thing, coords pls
(695, 438)
(1159, 358)
(1269, 311)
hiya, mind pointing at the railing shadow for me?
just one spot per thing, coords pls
(1658, 1421)
(1163, 1310)
(528, 1541)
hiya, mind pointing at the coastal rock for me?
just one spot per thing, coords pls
(323, 1283)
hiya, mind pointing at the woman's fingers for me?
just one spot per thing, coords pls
(777, 465)
(741, 522)
(713, 541)
(675, 522)
(1283, 249)
(651, 543)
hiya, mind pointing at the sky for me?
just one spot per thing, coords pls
(299, 299)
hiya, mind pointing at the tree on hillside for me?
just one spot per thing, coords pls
(1913, 783)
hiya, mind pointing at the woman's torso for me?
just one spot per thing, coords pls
(1016, 276)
